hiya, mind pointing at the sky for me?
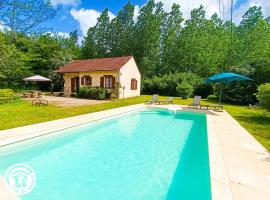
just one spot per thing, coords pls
(81, 14)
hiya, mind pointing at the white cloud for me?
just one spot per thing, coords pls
(55, 3)
(265, 4)
(61, 34)
(87, 18)
(212, 6)
(136, 12)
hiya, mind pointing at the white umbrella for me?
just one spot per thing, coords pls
(37, 78)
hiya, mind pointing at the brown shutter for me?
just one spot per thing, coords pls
(135, 80)
(72, 84)
(82, 80)
(90, 80)
(113, 82)
(131, 84)
(102, 82)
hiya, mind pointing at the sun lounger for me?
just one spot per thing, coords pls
(169, 100)
(153, 100)
(196, 102)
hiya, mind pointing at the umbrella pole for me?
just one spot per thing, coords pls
(220, 94)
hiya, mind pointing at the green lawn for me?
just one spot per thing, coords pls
(256, 121)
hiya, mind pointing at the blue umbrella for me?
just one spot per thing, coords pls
(226, 78)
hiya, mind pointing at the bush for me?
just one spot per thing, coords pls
(108, 94)
(6, 95)
(91, 93)
(166, 85)
(212, 96)
(263, 95)
(241, 92)
(184, 90)
(204, 90)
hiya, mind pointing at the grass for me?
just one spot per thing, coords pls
(256, 121)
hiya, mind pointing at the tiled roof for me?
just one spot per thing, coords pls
(97, 64)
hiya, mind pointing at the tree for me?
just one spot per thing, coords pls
(89, 45)
(171, 32)
(71, 43)
(25, 16)
(102, 36)
(122, 32)
(13, 66)
(251, 18)
(148, 36)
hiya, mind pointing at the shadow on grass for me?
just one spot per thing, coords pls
(260, 120)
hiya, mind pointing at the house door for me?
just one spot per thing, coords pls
(77, 83)
(72, 84)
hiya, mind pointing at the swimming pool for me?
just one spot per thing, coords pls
(150, 154)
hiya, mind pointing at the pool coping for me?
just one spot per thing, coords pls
(224, 185)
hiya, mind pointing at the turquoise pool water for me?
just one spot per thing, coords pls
(149, 154)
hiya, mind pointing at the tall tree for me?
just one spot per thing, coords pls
(148, 36)
(122, 32)
(25, 16)
(171, 32)
(192, 41)
(251, 17)
(102, 34)
(89, 45)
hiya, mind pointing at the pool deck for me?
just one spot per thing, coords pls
(239, 165)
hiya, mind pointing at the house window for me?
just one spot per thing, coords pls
(133, 85)
(88, 80)
(108, 80)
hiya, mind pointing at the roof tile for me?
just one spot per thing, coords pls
(96, 64)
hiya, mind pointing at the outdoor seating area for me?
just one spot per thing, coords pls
(33, 94)
(155, 100)
(196, 104)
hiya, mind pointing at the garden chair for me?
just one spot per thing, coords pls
(196, 102)
(153, 100)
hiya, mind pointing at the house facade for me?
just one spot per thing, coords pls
(103, 72)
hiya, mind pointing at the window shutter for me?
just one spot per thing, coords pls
(102, 82)
(82, 80)
(132, 84)
(113, 82)
(90, 80)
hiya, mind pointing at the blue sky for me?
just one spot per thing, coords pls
(81, 14)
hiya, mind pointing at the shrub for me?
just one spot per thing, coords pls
(166, 85)
(212, 96)
(6, 95)
(241, 92)
(184, 90)
(263, 95)
(108, 94)
(91, 93)
(203, 90)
